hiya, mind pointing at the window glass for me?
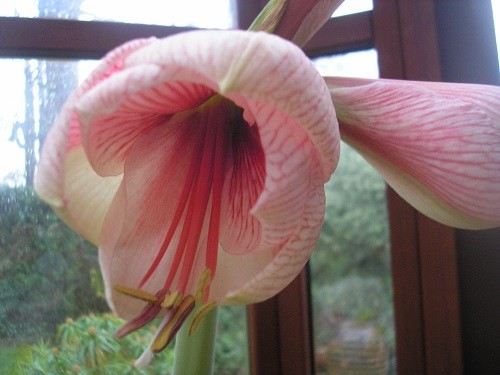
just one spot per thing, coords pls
(353, 6)
(54, 318)
(198, 13)
(362, 64)
(350, 269)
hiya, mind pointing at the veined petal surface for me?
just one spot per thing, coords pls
(437, 144)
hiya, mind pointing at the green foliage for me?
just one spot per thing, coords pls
(87, 346)
(45, 268)
(11, 356)
(231, 356)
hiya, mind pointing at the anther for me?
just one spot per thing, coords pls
(168, 332)
(136, 293)
(203, 283)
(172, 300)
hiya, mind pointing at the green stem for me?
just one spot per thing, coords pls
(195, 354)
(270, 17)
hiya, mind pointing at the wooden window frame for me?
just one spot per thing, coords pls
(424, 254)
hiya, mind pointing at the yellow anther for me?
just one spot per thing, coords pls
(170, 329)
(200, 314)
(172, 300)
(136, 293)
(203, 283)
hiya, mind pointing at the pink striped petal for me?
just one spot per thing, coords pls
(64, 178)
(258, 276)
(437, 144)
(115, 113)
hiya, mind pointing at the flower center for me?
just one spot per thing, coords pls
(197, 212)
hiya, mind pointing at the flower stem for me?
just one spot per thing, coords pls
(195, 354)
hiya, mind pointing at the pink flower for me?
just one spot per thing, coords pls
(197, 165)
(436, 144)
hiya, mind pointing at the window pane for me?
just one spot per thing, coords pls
(362, 64)
(496, 17)
(53, 316)
(197, 13)
(353, 6)
(350, 269)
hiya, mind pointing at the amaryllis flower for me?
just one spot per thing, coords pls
(196, 163)
(436, 144)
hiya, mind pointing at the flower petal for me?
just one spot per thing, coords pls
(437, 144)
(64, 178)
(255, 277)
(88, 196)
(240, 231)
(119, 110)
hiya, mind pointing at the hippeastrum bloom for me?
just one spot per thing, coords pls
(436, 144)
(197, 165)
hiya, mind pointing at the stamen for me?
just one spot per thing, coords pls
(200, 314)
(172, 300)
(168, 332)
(145, 316)
(186, 191)
(136, 293)
(199, 201)
(203, 282)
(218, 182)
